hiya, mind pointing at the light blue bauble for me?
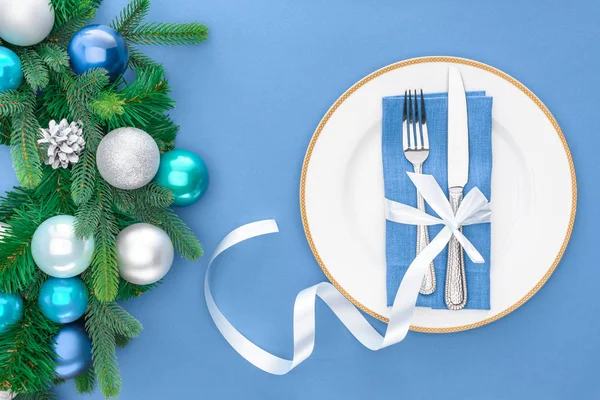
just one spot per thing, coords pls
(11, 310)
(57, 251)
(11, 71)
(73, 350)
(185, 174)
(63, 300)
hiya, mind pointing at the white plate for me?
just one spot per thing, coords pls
(533, 191)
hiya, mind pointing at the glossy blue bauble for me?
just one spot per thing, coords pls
(11, 310)
(99, 46)
(73, 351)
(11, 71)
(185, 174)
(63, 300)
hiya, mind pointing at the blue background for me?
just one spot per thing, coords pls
(248, 101)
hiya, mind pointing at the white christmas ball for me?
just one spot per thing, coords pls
(25, 22)
(128, 158)
(144, 254)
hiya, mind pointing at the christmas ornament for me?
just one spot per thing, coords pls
(25, 22)
(57, 251)
(11, 310)
(128, 158)
(6, 396)
(73, 351)
(11, 70)
(185, 174)
(63, 300)
(64, 143)
(144, 254)
(99, 46)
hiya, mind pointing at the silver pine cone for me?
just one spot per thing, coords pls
(64, 142)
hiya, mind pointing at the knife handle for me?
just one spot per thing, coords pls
(456, 280)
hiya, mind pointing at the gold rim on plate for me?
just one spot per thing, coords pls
(455, 60)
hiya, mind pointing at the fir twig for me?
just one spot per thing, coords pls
(105, 274)
(87, 382)
(131, 16)
(26, 352)
(24, 150)
(168, 33)
(34, 69)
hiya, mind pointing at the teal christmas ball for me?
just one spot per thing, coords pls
(73, 350)
(99, 46)
(11, 310)
(58, 251)
(11, 70)
(185, 174)
(63, 300)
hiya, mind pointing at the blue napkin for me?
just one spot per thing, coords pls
(400, 238)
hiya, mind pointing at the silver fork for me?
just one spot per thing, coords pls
(415, 143)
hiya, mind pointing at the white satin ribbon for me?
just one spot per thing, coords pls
(473, 209)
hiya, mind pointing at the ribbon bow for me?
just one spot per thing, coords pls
(474, 209)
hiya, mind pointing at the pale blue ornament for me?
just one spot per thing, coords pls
(57, 251)
(11, 70)
(73, 350)
(63, 300)
(11, 310)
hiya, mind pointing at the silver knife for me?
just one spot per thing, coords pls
(458, 175)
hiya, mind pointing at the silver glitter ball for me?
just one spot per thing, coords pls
(128, 158)
(144, 254)
(6, 396)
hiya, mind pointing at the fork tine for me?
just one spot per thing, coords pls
(418, 130)
(424, 123)
(411, 121)
(405, 124)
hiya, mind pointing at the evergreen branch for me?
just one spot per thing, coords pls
(119, 320)
(4, 131)
(146, 99)
(57, 181)
(151, 195)
(65, 10)
(163, 130)
(138, 60)
(87, 382)
(75, 18)
(168, 33)
(103, 349)
(108, 105)
(122, 341)
(34, 69)
(105, 273)
(54, 56)
(129, 290)
(13, 102)
(45, 395)
(184, 240)
(131, 16)
(26, 354)
(24, 150)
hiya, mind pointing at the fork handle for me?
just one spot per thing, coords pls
(456, 280)
(428, 284)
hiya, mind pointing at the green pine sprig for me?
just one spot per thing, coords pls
(51, 91)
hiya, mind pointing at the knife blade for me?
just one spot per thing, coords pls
(458, 176)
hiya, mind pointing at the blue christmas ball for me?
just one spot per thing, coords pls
(11, 71)
(99, 46)
(11, 310)
(185, 174)
(63, 300)
(73, 351)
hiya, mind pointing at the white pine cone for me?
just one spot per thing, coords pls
(64, 142)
